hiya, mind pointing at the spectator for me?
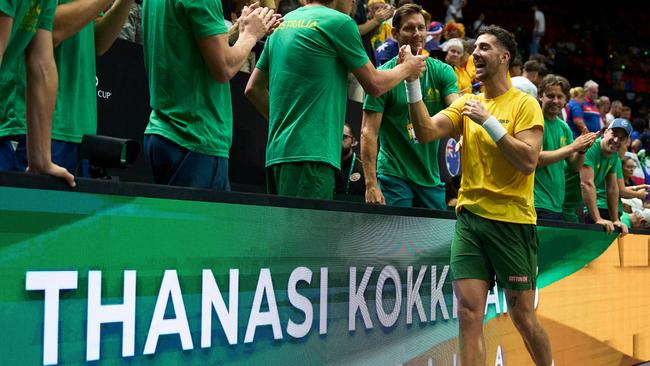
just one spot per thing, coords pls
(79, 36)
(603, 104)
(368, 25)
(405, 173)
(350, 180)
(638, 219)
(539, 28)
(559, 150)
(628, 170)
(26, 35)
(531, 71)
(478, 24)
(584, 117)
(453, 30)
(454, 10)
(524, 85)
(308, 95)
(626, 112)
(383, 31)
(434, 35)
(599, 172)
(614, 111)
(516, 68)
(188, 138)
(455, 50)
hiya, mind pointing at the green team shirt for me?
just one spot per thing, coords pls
(308, 59)
(550, 180)
(601, 192)
(188, 106)
(28, 17)
(602, 166)
(75, 113)
(399, 153)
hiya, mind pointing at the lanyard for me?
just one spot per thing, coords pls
(347, 184)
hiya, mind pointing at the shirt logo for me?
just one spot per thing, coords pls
(432, 95)
(504, 121)
(299, 23)
(30, 21)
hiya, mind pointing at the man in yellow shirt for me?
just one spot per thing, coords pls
(496, 227)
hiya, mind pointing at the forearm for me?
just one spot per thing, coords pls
(108, 27)
(368, 26)
(588, 191)
(71, 17)
(259, 97)
(521, 155)
(626, 192)
(580, 125)
(5, 30)
(552, 157)
(369, 158)
(238, 53)
(42, 85)
(577, 160)
(612, 202)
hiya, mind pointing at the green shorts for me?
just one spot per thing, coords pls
(402, 193)
(309, 179)
(483, 248)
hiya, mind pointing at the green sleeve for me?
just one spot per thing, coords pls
(205, 17)
(619, 168)
(263, 62)
(8, 7)
(567, 133)
(593, 156)
(378, 104)
(46, 20)
(348, 46)
(448, 81)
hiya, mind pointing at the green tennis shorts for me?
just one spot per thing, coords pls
(308, 179)
(483, 248)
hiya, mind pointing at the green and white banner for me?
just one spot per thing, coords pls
(118, 280)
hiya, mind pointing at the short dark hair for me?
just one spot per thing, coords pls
(505, 39)
(551, 80)
(532, 66)
(403, 11)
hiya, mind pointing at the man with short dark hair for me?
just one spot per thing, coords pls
(405, 172)
(496, 227)
(300, 85)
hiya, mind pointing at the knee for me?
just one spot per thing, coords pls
(525, 322)
(469, 314)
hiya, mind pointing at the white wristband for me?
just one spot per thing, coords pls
(413, 91)
(494, 129)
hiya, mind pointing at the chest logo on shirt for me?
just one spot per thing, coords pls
(30, 21)
(432, 95)
(563, 141)
(504, 121)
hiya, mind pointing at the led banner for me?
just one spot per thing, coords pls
(111, 280)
